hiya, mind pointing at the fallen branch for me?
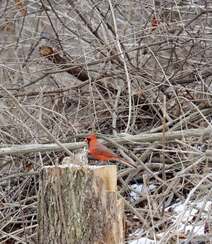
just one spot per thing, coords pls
(127, 139)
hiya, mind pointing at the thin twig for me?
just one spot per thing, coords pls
(37, 122)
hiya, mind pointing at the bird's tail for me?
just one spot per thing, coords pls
(127, 163)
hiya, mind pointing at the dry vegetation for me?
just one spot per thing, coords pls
(116, 68)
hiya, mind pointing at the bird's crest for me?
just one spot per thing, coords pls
(91, 137)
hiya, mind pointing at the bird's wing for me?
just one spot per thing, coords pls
(101, 149)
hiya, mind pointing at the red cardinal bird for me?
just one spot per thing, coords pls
(154, 23)
(100, 152)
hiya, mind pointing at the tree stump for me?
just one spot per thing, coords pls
(78, 205)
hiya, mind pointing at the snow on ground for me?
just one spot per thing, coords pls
(192, 217)
(136, 189)
(142, 241)
(188, 220)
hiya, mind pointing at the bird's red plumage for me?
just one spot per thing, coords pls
(100, 152)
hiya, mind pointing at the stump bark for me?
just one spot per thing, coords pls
(78, 205)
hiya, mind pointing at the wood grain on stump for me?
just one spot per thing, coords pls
(78, 205)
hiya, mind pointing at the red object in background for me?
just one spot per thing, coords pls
(100, 152)
(154, 23)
